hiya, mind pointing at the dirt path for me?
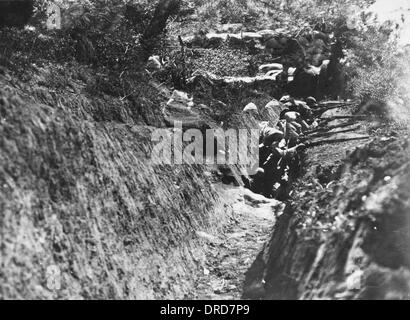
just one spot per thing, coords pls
(230, 253)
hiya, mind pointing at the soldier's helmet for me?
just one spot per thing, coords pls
(311, 100)
(272, 135)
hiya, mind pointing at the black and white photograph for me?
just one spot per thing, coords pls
(222, 152)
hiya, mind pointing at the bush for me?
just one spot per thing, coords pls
(374, 66)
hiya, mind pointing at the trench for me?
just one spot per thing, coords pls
(90, 202)
(234, 267)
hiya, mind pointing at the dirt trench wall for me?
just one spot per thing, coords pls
(84, 209)
(346, 238)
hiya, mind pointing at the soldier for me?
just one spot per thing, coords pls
(296, 119)
(268, 137)
(298, 106)
(275, 165)
(312, 103)
(304, 110)
(287, 99)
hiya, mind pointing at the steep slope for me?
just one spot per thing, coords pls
(83, 205)
(85, 213)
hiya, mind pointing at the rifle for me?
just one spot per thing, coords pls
(319, 129)
(326, 134)
(344, 117)
(322, 109)
(334, 103)
(331, 141)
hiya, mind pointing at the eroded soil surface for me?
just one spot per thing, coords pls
(229, 254)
